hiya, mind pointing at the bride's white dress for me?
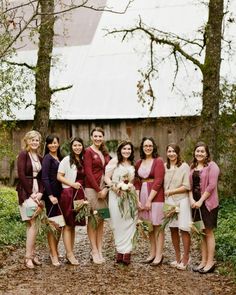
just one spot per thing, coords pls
(123, 227)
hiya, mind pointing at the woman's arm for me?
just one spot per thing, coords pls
(159, 173)
(62, 179)
(88, 161)
(213, 174)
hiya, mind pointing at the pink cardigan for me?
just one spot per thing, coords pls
(208, 183)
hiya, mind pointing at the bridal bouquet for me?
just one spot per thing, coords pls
(170, 213)
(127, 198)
(42, 222)
(143, 228)
(82, 208)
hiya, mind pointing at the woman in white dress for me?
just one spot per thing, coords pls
(117, 170)
(177, 186)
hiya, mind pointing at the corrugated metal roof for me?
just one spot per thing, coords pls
(104, 73)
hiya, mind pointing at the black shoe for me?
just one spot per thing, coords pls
(210, 270)
(148, 261)
(197, 269)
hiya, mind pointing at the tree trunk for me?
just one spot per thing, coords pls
(42, 76)
(211, 76)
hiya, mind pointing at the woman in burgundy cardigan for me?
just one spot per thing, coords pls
(149, 185)
(30, 190)
(96, 158)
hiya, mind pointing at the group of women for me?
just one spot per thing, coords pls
(91, 174)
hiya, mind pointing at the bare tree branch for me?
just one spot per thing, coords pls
(33, 68)
(60, 89)
(91, 7)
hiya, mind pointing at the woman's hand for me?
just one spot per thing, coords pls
(148, 205)
(103, 193)
(198, 204)
(39, 196)
(33, 196)
(76, 185)
(167, 193)
(140, 206)
(53, 200)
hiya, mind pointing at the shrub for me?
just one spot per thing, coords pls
(225, 233)
(13, 230)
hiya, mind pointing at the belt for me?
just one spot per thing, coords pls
(31, 177)
(147, 180)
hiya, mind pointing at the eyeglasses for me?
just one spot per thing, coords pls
(147, 146)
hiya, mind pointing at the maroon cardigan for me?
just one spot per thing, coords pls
(157, 173)
(25, 175)
(94, 169)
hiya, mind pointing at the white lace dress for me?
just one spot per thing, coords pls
(123, 227)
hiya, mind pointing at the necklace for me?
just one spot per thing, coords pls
(31, 155)
(55, 157)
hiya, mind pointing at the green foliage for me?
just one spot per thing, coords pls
(227, 139)
(225, 233)
(13, 230)
(112, 145)
(7, 148)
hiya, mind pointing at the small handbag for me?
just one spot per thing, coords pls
(59, 219)
(104, 213)
(77, 203)
(30, 207)
(199, 224)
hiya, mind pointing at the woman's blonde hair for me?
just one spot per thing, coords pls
(29, 135)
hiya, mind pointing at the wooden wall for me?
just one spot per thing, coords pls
(181, 130)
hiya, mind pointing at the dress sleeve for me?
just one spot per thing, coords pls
(63, 164)
(159, 173)
(137, 179)
(111, 166)
(185, 180)
(88, 162)
(214, 172)
(21, 169)
(46, 168)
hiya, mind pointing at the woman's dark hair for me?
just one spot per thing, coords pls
(176, 148)
(154, 152)
(73, 159)
(121, 145)
(208, 157)
(102, 147)
(49, 140)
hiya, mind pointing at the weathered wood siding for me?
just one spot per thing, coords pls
(182, 131)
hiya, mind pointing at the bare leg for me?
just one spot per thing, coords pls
(72, 238)
(176, 242)
(31, 233)
(53, 243)
(152, 245)
(186, 245)
(210, 248)
(159, 239)
(204, 254)
(92, 234)
(68, 234)
(99, 239)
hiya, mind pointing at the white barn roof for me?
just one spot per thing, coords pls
(104, 71)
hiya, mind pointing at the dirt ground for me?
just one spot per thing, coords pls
(108, 278)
